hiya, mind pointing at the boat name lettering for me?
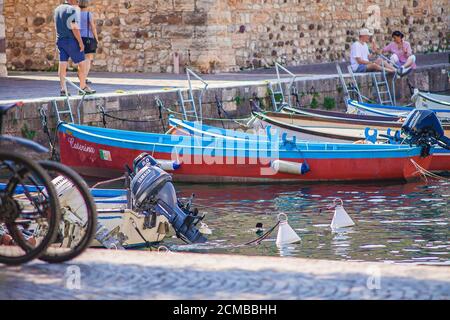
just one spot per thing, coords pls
(81, 147)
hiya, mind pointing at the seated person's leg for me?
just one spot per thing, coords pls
(411, 60)
(373, 67)
(361, 68)
(394, 60)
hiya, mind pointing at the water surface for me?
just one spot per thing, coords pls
(403, 223)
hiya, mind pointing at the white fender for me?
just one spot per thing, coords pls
(169, 165)
(289, 167)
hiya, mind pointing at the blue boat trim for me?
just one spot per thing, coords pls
(220, 147)
(373, 108)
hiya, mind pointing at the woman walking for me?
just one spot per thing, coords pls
(88, 34)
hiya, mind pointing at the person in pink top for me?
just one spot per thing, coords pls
(401, 53)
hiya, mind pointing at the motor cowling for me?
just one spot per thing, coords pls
(422, 127)
(152, 190)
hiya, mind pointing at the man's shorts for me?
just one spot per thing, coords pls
(361, 68)
(69, 48)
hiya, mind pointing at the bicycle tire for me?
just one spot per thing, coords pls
(91, 227)
(53, 216)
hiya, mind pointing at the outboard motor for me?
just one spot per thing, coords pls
(423, 128)
(152, 191)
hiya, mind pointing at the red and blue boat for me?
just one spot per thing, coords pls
(440, 161)
(103, 152)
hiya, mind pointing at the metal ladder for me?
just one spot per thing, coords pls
(190, 110)
(278, 90)
(67, 104)
(382, 88)
(351, 90)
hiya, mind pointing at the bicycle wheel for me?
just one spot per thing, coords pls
(78, 222)
(29, 210)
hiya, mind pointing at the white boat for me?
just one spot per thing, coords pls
(362, 108)
(433, 101)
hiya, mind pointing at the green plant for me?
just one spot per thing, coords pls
(238, 100)
(329, 103)
(27, 133)
(278, 97)
(314, 103)
(52, 68)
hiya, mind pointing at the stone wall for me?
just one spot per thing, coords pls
(217, 35)
(3, 71)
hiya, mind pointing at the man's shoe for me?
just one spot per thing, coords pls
(63, 93)
(88, 81)
(87, 91)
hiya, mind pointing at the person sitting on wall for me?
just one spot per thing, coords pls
(401, 53)
(360, 56)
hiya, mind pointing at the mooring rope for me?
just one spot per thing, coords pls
(425, 173)
(254, 241)
(107, 181)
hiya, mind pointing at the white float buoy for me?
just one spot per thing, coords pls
(341, 219)
(286, 235)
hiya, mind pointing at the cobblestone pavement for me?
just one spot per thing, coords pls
(35, 85)
(102, 274)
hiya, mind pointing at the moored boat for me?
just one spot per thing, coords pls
(362, 108)
(440, 162)
(340, 117)
(97, 151)
(433, 101)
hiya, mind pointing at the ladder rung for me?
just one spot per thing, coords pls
(64, 111)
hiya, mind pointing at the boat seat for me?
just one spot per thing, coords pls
(4, 108)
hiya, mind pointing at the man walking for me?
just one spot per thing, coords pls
(69, 43)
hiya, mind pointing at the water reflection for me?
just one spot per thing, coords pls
(394, 222)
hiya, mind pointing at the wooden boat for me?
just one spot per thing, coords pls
(340, 117)
(267, 122)
(98, 152)
(355, 107)
(317, 130)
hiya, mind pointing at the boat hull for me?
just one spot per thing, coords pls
(201, 164)
(440, 161)
(122, 222)
(355, 107)
(433, 101)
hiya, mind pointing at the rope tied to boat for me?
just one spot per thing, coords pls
(427, 174)
(107, 181)
(256, 241)
(148, 244)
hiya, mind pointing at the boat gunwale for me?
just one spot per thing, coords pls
(339, 119)
(367, 150)
(426, 95)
